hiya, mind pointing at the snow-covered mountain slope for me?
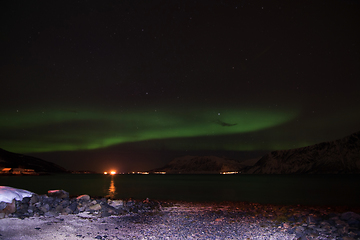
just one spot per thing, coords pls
(339, 156)
(200, 164)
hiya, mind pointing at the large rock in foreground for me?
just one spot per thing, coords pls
(8, 197)
(8, 194)
(336, 157)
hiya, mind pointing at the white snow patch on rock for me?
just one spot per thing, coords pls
(7, 194)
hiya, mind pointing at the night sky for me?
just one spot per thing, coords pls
(129, 85)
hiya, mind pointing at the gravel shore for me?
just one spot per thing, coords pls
(183, 220)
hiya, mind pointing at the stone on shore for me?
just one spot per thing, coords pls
(58, 194)
(7, 208)
(84, 197)
(7, 194)
(95, 207)
(8, 198)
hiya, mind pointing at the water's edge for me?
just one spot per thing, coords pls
(272, 189)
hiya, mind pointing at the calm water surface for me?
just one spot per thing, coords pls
(275, 189)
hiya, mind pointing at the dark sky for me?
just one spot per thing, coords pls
(129, 85)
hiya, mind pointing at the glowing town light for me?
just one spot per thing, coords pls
(105, 173)
(229, 172)
(113, 172)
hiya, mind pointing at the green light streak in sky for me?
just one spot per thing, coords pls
(37, 131)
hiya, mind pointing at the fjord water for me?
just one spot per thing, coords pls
(273, 189)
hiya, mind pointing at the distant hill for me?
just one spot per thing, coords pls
(335, 157)
(200, 165)
(15, 160)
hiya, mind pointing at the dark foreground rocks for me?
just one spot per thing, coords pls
(58, 202)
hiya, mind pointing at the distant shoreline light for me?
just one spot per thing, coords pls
(139, 172)
(229, 172)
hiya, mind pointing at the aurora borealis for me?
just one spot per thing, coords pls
(67, 131)
(131, 84)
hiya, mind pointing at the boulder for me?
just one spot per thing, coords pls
(35, 199)
(7, 194)
(116, 203)
(58, 194)
(8, 198)
(83, 198)
(9, 208)
(95, 207)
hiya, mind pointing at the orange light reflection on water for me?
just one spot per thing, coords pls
(112, 190)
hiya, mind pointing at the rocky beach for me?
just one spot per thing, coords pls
(57, 215)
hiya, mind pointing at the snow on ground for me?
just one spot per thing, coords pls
(7, 194)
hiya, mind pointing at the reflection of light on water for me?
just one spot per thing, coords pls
(112, 189)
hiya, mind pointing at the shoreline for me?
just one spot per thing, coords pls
(191, 220)
(59, 216)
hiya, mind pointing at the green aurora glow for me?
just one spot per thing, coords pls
(37, 131)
